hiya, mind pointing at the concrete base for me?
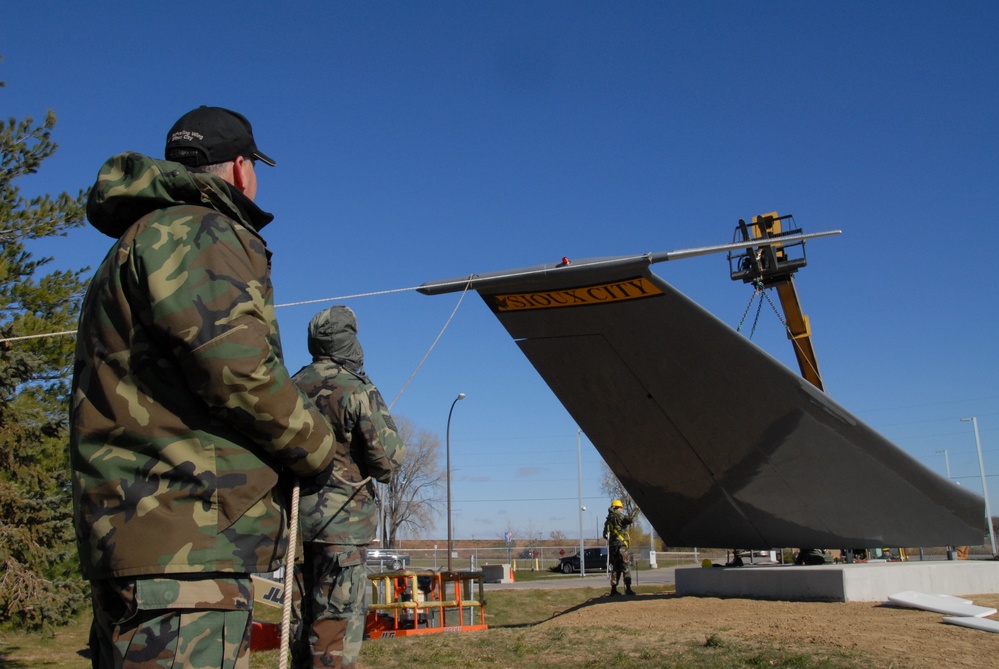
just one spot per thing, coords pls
(497, 573)
(863, 582)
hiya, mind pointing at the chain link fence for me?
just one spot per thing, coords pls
(548, 557)
(542, 558)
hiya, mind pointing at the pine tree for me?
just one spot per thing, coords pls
(39, 576)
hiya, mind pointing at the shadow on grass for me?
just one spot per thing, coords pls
(7, 662)
(592, 601)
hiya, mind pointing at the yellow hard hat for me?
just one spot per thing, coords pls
(616, 504)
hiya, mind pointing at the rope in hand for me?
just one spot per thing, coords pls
(289, 577)
(289, 564)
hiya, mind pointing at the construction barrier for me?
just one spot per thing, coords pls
(405, 603)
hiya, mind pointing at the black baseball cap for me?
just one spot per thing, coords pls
(209, 135)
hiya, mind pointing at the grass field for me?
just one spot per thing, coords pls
(516, 637)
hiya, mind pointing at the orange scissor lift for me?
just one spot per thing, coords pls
(405, 603)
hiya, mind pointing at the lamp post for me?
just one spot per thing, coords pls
(579, 467)
(450, 538)
(985, 490)
(946, 462)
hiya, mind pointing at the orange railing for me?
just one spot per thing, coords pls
(425, 602)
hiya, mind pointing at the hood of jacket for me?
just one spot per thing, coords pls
(333, 334)
(131, 185)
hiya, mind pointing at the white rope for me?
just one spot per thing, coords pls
(276, 306)
(649, 257)
(289, 578)
(467, 282)
(38, 336)
(346, 297)
(289, 563)
(439, 335)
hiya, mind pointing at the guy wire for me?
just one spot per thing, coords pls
(446, 324)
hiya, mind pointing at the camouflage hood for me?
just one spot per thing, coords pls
(131, 185)
(333, 334)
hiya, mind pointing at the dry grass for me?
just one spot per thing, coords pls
(60, 648)
(582, 628)
(574, 628)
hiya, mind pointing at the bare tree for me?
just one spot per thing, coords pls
(413, 498)
(514, 533)
(612, 487)
(510, 535)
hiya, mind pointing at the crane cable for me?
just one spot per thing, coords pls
(760, 290)
(757, 290)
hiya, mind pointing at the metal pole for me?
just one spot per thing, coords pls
(450, 537)
(653, 564)
(946, 462)
(985, 489)
(579, 467)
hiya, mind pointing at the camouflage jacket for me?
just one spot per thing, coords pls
(340, 513)
(183, 415)
(616, 526)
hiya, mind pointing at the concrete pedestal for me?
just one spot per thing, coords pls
(497, 573)
(865, 582)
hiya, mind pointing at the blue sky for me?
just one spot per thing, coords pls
(426, 140)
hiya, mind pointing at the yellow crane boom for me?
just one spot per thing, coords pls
(772, 264)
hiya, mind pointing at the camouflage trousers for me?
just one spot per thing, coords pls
(620, 564)
(329, 591)
(155, 623)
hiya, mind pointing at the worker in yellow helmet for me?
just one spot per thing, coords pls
(618, 538)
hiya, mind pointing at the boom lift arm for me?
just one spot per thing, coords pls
(772, 264)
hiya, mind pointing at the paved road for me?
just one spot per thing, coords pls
(663, 576)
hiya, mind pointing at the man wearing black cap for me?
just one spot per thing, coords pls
(185, 427)
(220, 142)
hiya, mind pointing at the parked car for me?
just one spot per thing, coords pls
(386, 559)
(594, 558)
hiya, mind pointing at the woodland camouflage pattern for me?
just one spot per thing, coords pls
(616, 527)
(341, 518)
(183, 417)
(368, 442)
(332, 581)
(203, 624)
(618, 538)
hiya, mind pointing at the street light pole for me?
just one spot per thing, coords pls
(450, 538)
(946, 462)
(579, 467)
(985, 490)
